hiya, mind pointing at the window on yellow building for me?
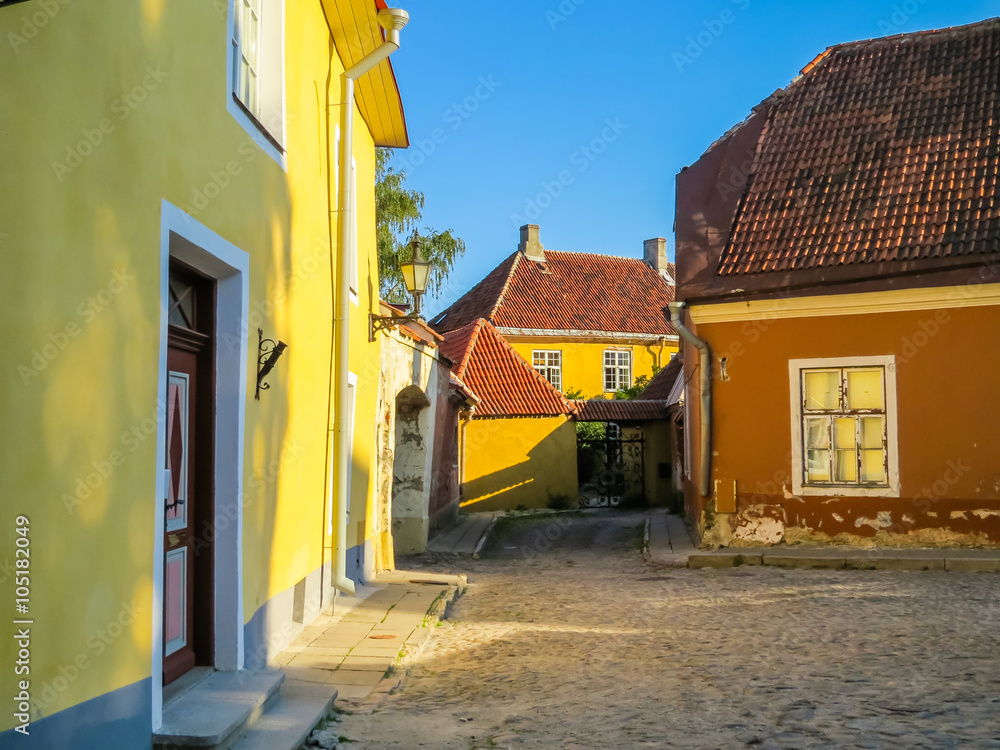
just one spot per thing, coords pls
(548, 363)
(617, 370)
(258, 65)
(844, 426)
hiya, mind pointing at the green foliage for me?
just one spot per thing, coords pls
(397, 213)
(590, 431)
(574, 394)
(627, 394)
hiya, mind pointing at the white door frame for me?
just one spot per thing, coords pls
(187, 240)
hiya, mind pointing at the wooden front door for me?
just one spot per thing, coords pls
(188, 505)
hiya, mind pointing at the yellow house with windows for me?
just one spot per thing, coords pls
(189, 227)
(585, 323)
(589, 323)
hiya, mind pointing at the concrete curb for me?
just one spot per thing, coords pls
(414, 645)
(830, 559)
(485, 535)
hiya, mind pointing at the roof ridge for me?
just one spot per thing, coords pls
(598, 255)
(473, 338)
(506, 285)
(822, 58)
(825, 54)
(456, 333)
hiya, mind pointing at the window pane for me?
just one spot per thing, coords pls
(845, 433)
(181, 310)
(817, 432)
(864, 389)
(845, 466)
(871, 433)
(873, 466)
(818, 466)
(821, 389)
(873, 455)
(817, 444)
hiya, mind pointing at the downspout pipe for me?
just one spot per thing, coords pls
(706, 395)
(392, 20)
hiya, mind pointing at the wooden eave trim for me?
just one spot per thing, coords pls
(863, 303)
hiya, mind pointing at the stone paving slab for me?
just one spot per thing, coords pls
(668, 541)
(352, 649)
(467, 536)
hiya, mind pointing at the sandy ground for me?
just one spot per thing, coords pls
(566, 638)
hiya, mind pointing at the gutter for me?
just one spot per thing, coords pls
(706, 396)
(392, 20)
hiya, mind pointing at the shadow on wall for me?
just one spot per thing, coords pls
(501, 476)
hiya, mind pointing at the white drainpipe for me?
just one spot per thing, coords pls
(706, 396)
(392, 20)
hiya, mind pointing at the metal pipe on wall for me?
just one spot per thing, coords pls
(706, 396)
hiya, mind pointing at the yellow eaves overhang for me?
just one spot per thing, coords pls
(355, 34)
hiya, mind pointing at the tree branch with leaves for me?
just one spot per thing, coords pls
(397, 213)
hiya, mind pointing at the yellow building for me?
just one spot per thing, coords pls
(589, 323)
(585, 323)
(175, 205)
(518, 445)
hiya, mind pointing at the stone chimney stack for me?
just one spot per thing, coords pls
(530, 245)
(654, 253)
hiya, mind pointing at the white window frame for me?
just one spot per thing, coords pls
(545, 368)
(799, 486)
(617, 367)
(266, 128)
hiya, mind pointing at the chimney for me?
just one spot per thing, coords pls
(654, 253)
(530, 245)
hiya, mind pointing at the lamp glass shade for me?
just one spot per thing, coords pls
(416, 274)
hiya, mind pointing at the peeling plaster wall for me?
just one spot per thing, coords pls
(402, 524)
(947, 438)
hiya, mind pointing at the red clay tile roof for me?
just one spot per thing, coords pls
(662, 384)
(614, 410)
(569, 291)
(882, 150)
(506, 385)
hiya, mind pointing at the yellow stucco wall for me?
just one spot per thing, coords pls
(521, 461)
(583, 362)
(154, 80)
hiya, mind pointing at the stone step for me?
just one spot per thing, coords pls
(217, 710)
(288, 721)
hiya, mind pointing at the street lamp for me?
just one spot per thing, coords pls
(416, 273)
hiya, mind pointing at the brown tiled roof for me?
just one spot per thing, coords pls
(569, 291)
(615, 410)
(662, 384)
(505, 384)
(882, 150)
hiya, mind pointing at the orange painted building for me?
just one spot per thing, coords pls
(838, 272)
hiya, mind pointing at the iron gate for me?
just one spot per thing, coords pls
(611, 470)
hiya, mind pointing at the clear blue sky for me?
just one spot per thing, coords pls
(576, 115)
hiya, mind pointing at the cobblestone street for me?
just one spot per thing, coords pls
(566, 638)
